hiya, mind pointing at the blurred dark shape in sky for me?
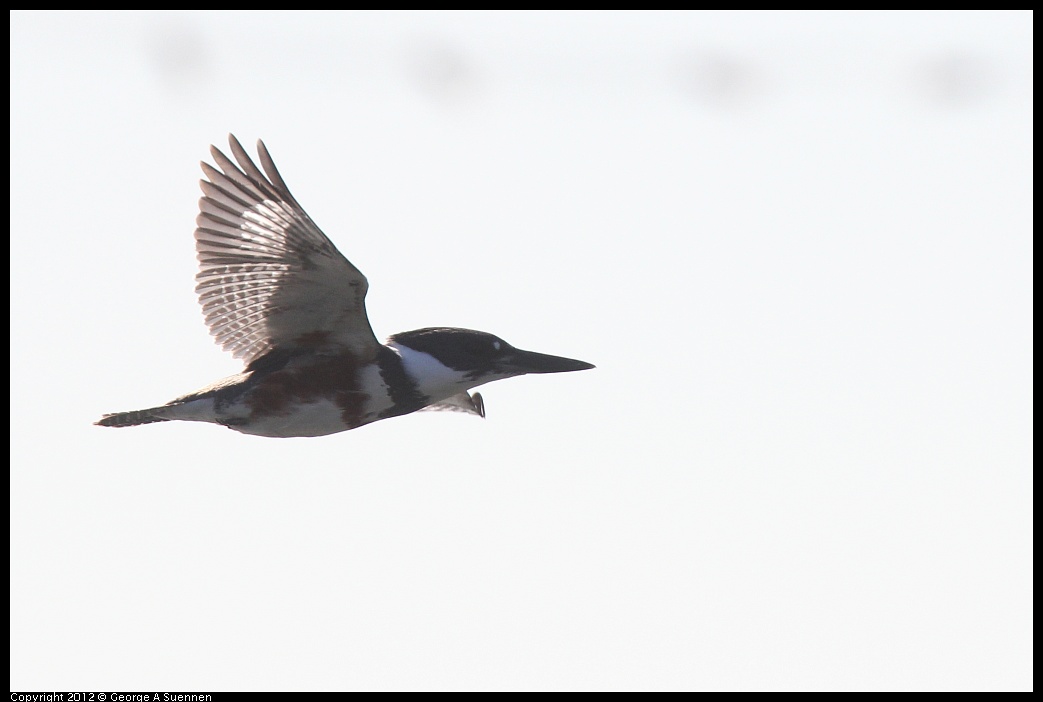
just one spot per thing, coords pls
(720, 80)
(954, 79)
(177, 54)
(440, 71)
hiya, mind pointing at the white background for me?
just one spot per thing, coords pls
(798, 246)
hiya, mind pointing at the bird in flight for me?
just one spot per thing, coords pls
(278, 294)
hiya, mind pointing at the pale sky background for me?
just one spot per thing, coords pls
(798, 246)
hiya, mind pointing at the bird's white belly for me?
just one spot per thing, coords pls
(315, 418)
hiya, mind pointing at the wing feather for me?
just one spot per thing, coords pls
(269, 279)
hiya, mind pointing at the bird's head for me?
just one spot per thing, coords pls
(473, 357)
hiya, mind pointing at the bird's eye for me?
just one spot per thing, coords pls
(496, 345)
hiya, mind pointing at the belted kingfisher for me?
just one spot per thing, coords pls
(277, 293)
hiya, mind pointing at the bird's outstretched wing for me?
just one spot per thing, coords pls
(269, 279)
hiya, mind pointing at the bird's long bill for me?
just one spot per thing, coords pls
(532, 362)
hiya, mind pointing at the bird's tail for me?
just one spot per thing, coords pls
(132, 419)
